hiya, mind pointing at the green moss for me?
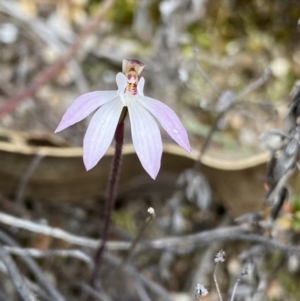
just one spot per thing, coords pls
(122, 12)
(200, 36)
(124, 220)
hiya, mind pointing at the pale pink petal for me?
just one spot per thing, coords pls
(146, 138)
(168, 119)
(100, 132)
(83, 106)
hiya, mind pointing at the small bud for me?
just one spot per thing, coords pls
(151, 211)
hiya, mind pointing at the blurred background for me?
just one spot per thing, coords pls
(227, 68)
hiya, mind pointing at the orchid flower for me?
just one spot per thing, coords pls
(145, 132)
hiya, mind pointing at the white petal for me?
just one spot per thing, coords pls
(83, 106)
(146, 138)
(140, 86)
(121, 82)
(168, 119)
(100, 132)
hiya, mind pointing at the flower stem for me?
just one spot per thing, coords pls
(110, 197)
(216, 282)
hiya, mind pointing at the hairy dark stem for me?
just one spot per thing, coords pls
(110, 198)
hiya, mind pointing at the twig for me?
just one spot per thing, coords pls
(97, 295)
(40, 277)
(16, 277)
(26, 177)
(37, 290)
(234, 288)
(244, 272)
(212, 84)
(49, 253)
(215, 88)
(50, 72)
(190, 243)
(256, 84)
(220, 257)
(141, 290)
(233, 101)
(116, 273)
(208, 138)
(58, 233)
(153, 286)
(180, 245)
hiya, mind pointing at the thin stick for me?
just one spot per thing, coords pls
(216, 282)
(50, 72)
(156, 288)
(179, 245)
(244, 272)
(256, 84)
(26, 177)
(214, 86)
(97, 295)
(40, 277)
(58, 233)
(234, 288)
(16, 277)
(141, 291)
(49, 253)
(208, 138)
(34, 288)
